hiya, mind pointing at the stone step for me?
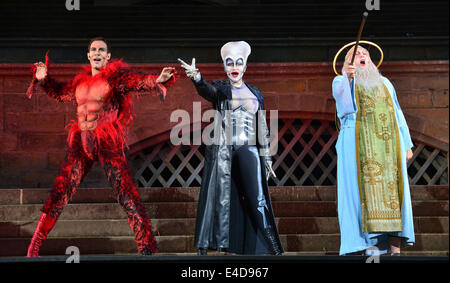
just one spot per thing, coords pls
(155, 210)
(105, 195)
(98, 228)
(183, 244)
(87, 211)
(405, 252)
(186, 226)
(424, 242)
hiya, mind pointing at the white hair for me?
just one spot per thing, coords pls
(369, 76)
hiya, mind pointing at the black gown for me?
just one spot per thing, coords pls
(227, 214)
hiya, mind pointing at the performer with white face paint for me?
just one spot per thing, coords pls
(234, 211)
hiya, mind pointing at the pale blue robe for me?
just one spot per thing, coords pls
(348, 200)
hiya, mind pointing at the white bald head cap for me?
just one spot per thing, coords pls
(235, 50)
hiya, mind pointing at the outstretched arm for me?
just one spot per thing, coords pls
(130, 80)
(206, 90)
(61, 91)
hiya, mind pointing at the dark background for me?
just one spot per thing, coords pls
(279, 30)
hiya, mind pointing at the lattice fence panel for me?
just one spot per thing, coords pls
(306, 156)
(165, 165)
(429, 166)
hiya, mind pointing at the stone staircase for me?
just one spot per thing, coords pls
(95, 223)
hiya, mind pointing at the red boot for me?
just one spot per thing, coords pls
(45, 224)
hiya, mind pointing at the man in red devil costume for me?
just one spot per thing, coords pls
(101, 94)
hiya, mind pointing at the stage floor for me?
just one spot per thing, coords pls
(227, 259)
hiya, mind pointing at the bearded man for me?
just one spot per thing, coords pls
(104, 110)
(374, 145)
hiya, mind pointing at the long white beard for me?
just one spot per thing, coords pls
(368, 77)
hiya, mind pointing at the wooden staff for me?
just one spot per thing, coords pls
(361, 27)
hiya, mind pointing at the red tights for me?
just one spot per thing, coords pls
(84, 149)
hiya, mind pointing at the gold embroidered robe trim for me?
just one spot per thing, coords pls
(378, 157)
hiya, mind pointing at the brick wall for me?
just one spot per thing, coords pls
(32, 132)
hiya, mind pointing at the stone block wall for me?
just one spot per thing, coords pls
(33, 134)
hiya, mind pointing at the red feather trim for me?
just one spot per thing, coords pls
(111, 133)
(122, 80)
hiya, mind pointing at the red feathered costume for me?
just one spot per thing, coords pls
(104, 110)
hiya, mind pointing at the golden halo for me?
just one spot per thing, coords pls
(353, 43)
